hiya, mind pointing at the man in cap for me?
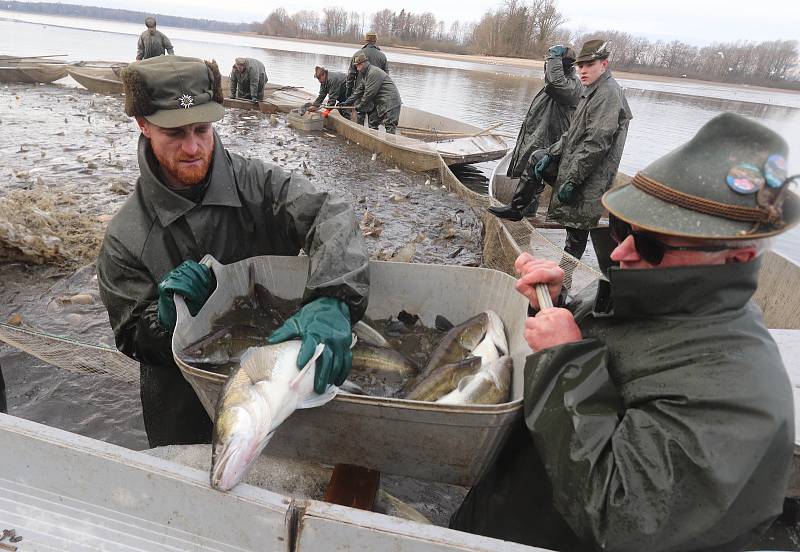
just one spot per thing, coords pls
(374, 56)
(548, 117)
(658, 413)
(376, 95)
(248, 78)
(194, 197)
(152, 42)
(332, 85)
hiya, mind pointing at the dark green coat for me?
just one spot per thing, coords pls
(669, 427)
(250, 208)
(374, 56)
(152, 45)
(590, 151)
(548, 116)
(334, 87)
(249, 84)
(375, 90)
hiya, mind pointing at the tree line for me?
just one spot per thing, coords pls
(527, 29)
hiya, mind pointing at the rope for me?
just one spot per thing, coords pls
(705, 206)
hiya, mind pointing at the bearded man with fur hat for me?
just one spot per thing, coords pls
(193, 198)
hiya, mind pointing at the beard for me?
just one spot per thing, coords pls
(186, 175)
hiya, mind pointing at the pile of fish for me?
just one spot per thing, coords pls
(470, 365)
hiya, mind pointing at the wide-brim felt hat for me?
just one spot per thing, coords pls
(173, 91)
(728, 182)
(592, 50)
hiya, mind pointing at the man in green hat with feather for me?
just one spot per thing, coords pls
(658, 413)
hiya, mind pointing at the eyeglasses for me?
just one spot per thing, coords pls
(650, 248)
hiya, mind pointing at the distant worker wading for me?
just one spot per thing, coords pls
(248, 79)
(152, 42)
(376, 95)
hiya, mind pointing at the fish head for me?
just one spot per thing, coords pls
(473, 331)
(240, 434)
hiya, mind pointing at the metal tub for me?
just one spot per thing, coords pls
(444, 443)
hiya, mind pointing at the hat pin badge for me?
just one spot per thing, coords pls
(186, 101)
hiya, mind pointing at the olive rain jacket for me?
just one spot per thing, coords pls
(250, 208)
(152, 45)
(548, 116)
(375, 91)
(590, 152)
(335, 86)
(249, 85)
(374, 56)
(669, 427)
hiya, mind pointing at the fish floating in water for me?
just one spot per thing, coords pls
(261, 393)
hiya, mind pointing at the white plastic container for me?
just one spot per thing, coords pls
(451, 444)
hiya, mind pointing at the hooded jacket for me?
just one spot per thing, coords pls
(590, 152)
(249, 208)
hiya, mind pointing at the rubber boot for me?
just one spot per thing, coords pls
(524, 194)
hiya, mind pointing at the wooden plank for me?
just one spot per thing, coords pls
(353, 486)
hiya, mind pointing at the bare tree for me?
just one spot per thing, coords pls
(334, 22)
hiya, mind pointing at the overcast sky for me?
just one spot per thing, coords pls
(695, 21)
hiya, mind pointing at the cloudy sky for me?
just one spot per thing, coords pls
(695, 21)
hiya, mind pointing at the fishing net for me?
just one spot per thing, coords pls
(42, 226)
(71, 355)
(503, 241)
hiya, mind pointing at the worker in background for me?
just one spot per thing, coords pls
(375, 57)
(194, 197)
(248, 78)
(658, 414)
(376, 95)
(547, 119)
(152, 42)
(332, 85)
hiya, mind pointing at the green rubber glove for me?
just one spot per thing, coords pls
(324, 320)
(567, 193)
(193, 281)
(541, 166)
(556, 51)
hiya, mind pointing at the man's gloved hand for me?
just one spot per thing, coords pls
(541, 166)
(312, 108)
(324, 320)
(190, 279)
(567, 193)
(556, 51)
(347, 102)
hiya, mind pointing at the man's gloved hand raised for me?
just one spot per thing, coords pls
(567, 193)
(556, 51)
(541, 166)
(190, 279)
(324, 320)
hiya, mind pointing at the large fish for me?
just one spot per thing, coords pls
(262, 392)
(482, 335)
(465, 350)
(490, 385)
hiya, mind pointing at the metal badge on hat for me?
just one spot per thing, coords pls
(771, 195)
(186, 101)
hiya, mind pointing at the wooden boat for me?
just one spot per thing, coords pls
(30, 72)
(100, 78)
(424, 139)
